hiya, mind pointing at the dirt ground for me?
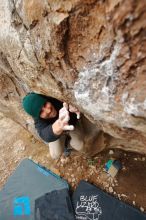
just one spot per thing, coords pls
(129, 185)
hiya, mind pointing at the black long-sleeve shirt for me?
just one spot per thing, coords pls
(44, 126)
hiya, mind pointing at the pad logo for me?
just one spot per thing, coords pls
(88, 208)
(22, 206)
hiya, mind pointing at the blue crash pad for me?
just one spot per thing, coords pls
(27, 183)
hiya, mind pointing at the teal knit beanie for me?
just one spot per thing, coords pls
(33, 103)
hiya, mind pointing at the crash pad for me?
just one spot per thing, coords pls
(29, 182)
(55, 205)
(92, 203)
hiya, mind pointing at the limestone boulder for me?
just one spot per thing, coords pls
(89, 53)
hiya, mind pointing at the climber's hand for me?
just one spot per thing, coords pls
(64, 118)
(74, 110)
(62, 123)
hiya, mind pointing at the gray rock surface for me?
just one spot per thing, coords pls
(90, 53)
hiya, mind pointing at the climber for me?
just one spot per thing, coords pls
(53, 121)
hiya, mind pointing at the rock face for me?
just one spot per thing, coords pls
(89, 53)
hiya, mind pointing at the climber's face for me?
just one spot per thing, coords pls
(48, 111)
